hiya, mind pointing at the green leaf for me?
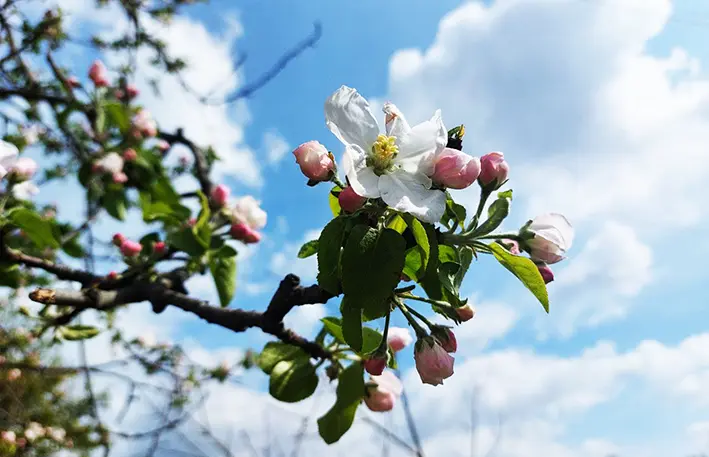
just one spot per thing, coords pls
(454, 212)
(497, 213)
(117, 115)
(78, 332)
(308, 249)
(201, 228)
(372, 263)
(370, 337)
(397, 223)
(115, 203)
(525, 270)
(162, 210)
(277, 351)
(334, 202)
(413, 263)
(465, 254)
(334, 328)
(185, 240)
(329, 247)
(10, 275)
(222, 264)
(293, 380)
(421, 237)
(352, 324)
(339, 419)
(38, 230)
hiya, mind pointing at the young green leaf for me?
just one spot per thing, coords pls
(334, 202)
(421, 237)
(37, 229)
(329, 247)
(372, 263)
(184, 239)
(496, 214)
(78, 332)
(277, 351)
(117, 115)
(339, 419)
(397, 223)
(222, 264)
(352, 324)
(525, 270)
(293, 380)
(308, 249)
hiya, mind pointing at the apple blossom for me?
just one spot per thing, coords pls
(159, 247)
(145, 124)
(119, 178)
(118, 239)
(130, 155)
(220, 195)
(433, 362)
(110, 163)
(382, 392)
(349, 200)
(546, 272)
(246, 210)
(552, 235)
(455, 169)
(375, 364)
(162, 145)
(132, 91)
(8, 436)
(314, 160)
(34, 431)
(25, 190)
(394, 166)
(130, 248)
(14, 374)
(98, 74)
(493, 169)
(244, 233)
(398, 338)
(465, 312)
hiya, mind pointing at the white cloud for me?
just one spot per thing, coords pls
(275, 146)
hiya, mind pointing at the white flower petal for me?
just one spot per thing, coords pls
(388, 382)
(349, 118)
(555, 228)
(412, 193)
(25, 190)
(395, 122)
(417, 148)
(362, 179)
(8, 154)
(111, 163)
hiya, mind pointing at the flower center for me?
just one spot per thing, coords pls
(384, 150)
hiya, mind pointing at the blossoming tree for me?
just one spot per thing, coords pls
(398, 242)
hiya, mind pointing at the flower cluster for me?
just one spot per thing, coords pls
(16, 171)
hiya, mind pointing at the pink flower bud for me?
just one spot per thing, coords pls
(220, 195)
(112, 276)
(382, 392)
(398, 338)
(349, 200)
(118, 94)
(244, 233)
(14, 374)
(98, 74)
(511, 246)
(118, 239)
(130, 248)
(447, 340)
(376, 364)
(162, 145)
(73, 81)
(23, 168)
(455, 169)
(191, 222)
(120, 177)
(493, 169)
(553, 236)
(159, 247)
(465, 313)
(546, 272)
(132, 91)
(314, 160)
(21, 442)
(433, 362)
(130, 154)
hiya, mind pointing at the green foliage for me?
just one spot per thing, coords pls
(222, 264)
(308, 249)
(329, 248)
(525, 270)
(36, 228)
(339, 419)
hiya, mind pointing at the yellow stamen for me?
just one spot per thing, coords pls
(385, 148)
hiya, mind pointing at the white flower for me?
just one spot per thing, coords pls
(8, 156)
(34, 431)
(111, 163)
(57, 434)
(246, 210)
(395, 166)
(553, 236)
(25, 190)
(388, 382)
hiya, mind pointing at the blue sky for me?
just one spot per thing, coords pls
(602, 108)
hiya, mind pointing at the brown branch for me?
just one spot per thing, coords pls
(200, 160)
(33, 95)
(288, 295)
(60, 271)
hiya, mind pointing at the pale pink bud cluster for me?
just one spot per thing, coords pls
(349, 200)
(131, 91)
(398, 338)
(144, 124)
(20, 168)
(455, 169)
(220, 195)
(247, 218)
(98, 74)
(127, 247)
(56, 433)
(159, 247)
(162, 145)
(382, 392)
(314, 160)
(112, 163)
(433, 362)
(34, 431)
(8, 437)
(493, 169)
(130, 155)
